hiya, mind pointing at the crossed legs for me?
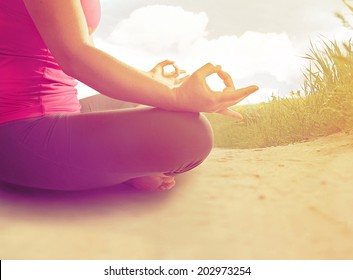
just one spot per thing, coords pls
(145, 147)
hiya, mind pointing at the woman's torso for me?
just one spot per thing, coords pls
(32, 83)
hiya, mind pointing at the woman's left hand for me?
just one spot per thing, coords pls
(170, 79)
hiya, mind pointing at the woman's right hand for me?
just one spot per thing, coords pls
(194, 94)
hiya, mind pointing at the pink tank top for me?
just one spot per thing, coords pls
(32, 83)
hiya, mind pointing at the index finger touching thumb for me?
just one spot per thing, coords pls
(208, 69)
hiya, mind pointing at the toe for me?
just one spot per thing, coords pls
(167, 184)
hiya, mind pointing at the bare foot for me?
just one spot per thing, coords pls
(158, 182)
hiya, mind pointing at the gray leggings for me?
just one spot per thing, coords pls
(106, 144)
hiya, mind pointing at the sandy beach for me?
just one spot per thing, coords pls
(288, 202)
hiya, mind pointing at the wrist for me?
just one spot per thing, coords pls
(171, 100)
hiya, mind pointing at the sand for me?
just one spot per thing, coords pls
(290, 202)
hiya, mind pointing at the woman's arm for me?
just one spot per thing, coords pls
(62, 26)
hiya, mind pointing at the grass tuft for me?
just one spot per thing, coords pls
(323, 106)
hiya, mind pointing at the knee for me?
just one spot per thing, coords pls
(193, 136)
(201, 135)
(175, 141)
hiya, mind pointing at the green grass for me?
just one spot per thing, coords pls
(324, 106)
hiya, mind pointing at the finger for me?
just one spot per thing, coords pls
(159, 67)
(227, 79)
(231, 113)
(173, 74)
(166, 63)
(237, 95)
(177, 72)
(235, 101)
(207, 70)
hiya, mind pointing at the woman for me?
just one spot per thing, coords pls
(49, 141)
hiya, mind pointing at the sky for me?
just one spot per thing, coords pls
(257, 42)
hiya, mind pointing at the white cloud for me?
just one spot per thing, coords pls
(154, 33)
(158, 28)
(248, 55)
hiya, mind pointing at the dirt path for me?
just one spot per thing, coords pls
(292, 202)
